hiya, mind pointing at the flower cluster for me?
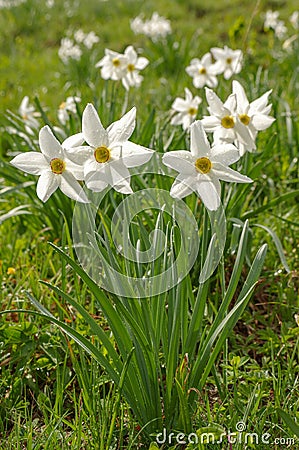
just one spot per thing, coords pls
(218, 61)
(123, 66)
(10, 3)
(102, 157)
(104, 161)
(157, 27)
(234, 121)
(72, 48)
(274, 23)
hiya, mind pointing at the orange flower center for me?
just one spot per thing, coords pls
(102, 154)
(57, 166)
(203, 165)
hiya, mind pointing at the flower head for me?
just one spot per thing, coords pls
(113, 65)
(186, 109)
(157, 27)
(254, 115)
(224, 121)
(133, 65)
(28, 114)
(201, 168)
(67, 107)
(110, 153)
(53, 166)
(228, 61)
(203, 71)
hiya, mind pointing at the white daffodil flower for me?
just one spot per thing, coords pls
(201, 168)
(28, 114)
(110, 153)
(186, 109)
(224, 121)
(203, 71)
(228, 61)
(134, 64)
(66, 108)
(113, 65)
(53, 167)
(254, 115)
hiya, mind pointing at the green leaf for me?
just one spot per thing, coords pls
(289, 421)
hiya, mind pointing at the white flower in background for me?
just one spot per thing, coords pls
(228, 61)
(294, 19)
(69, 50)
(10, 3)
(50, 3)
(280, 30)
(110, 153)
(254, 115)
(203, 71)
(113, 65)
(54, 168)
(66, 108)
(79, 36)
(90, 39)
(137, 25)
(157, 27)
(134, 64)
(224, 121)
(271, 19)
(186, 109)
(201, 168)
(28, 114)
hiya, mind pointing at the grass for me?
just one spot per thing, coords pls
(53, 393)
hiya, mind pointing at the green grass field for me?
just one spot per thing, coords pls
(85, 366)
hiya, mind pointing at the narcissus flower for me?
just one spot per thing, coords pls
(133, 65)
(203, 71)
(66, 108)
(186, 109)
(201, 168)
(224, 121)
(110, 153)
(113, 65)
(53, 167)
(254, 115)
(228, 61)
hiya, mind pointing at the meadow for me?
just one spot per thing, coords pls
(144, 303)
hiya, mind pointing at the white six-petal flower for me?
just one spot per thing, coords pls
(254, 115)
(228, 61)
(186, 109)
(53, 167)
(203, 71)
(109, 153)
(224, 121)
(201, 168)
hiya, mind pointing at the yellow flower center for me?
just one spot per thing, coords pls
(62, 105)
(116, 62)
(229, 60)
(192, 111)
(244, 119)
(203, 165)
(102, 154)
(131, 67)
(227, 122)
(57, 165)
(202, 71)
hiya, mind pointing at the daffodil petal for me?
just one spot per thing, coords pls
(261, 122)
(93, 131)
(199, 144)
(227, 174)
(225, 153)
(30, 162)
(181, 188)
(209, 192)
(134, 155)
(122, 129)
(180, 160)
(48, 143)
(96, 181)
(75, 140)
(47, 183)
(71, 188)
